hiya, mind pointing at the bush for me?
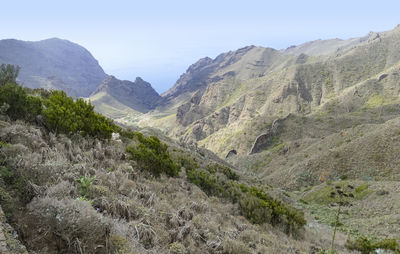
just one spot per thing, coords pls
(188, 163)
(8, 74)
(84, 183)
(291, 218)
(255, 204)
(119, 245)
(20, 105)
(63, 115)
(235, 247)
(206, 181)
(73, 225)
(152, 155)
(177, 248)
(366, 246)
(228, 172)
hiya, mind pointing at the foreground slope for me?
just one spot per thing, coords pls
(71, 181)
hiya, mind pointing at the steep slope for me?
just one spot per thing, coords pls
(210, 84)
(53, 64)
(123, 99)
(225, 103)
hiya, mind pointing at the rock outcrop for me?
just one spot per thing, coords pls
(263, 141)
(138, 95)
(231, 153)
(9, 242)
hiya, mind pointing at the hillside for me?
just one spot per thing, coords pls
(74, 182)
(256, 151)
(303, 119)
(217, 99)
(124, 99)
(53, 64)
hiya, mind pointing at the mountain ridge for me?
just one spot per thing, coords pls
(53, 63)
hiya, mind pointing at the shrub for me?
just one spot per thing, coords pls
(255, 204)
(8, 74)
(64, 115)
(206, 181)
(6, 175)
(366, 246)
(235, 247)
(84, 183)
(119, 245)
(73, 225)
(20, 105)
(291, 218)
(188, 163)
(177, 248)
(228, 172)
(152, 155)
(382, 192)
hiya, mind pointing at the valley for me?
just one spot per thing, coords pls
(248, 147)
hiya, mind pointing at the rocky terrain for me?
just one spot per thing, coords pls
(221, 98)
(302, 119)
(53, 64)
(121, 100)
(256, 148)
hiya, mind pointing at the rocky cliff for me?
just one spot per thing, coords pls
(138, 95)
(239, 93)
(53, 64)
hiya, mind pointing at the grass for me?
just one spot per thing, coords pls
(321, 195)
(378, 100)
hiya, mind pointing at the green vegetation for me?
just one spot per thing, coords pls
(8, 74)
(367, 246)
(152, 155)
(64, 115)
(322, 195)
(255, 204)
(259, 208)
(344, 194)
(207, 181)
(228, 172)
(84, 183)
(17, 104)
(61, 113)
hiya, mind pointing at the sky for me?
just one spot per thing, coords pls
(159, 40)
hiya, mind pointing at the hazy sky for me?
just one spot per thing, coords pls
(158, 40)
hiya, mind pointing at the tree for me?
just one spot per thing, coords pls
(8, 74)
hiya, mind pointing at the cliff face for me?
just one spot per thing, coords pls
(53, 64)
(217, 99)
(137, 95)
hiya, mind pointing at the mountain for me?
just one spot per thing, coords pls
(250, 141)
(121, 99)
(307, 119)
(218, 99)
(53, 64)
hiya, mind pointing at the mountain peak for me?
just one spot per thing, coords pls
(138, 95)
(71, 67)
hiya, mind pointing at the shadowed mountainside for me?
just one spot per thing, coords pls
(118, 99)
(53, 64)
